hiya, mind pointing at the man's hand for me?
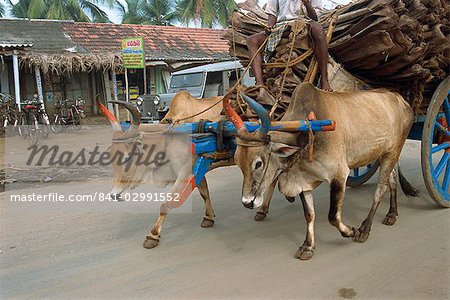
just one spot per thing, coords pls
(310, 12)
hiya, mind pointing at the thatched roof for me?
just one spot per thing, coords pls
(66, 46)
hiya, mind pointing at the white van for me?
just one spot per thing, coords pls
(201, 82)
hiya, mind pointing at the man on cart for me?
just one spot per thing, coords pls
(280, 12)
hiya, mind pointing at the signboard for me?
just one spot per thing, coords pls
(133, 55)
(134, 92)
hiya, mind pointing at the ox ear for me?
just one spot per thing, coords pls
(283, 150)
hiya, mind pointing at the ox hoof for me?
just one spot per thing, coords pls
(150, 242)
(305, 253)
(206, 223)
(349, 235)
(361, 236)
(390, 219)
(259, 216)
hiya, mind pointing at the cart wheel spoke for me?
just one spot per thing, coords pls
(439, 147)
(441, 128)
(446, 181)
(446, 109)
(440, 167)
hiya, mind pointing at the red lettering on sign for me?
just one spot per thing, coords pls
(136, 43)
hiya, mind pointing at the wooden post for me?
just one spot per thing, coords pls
(107, 90)
(116, 97)
(127, 96)
(39, 86)
(145, 79)
(16, 78)
(93, 89)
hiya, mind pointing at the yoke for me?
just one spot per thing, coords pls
(204, 146)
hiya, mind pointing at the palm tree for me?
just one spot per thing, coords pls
(131, 12)
(155, 12)
(209, 12)
(2, 10)
(77, 10)
(159, 12)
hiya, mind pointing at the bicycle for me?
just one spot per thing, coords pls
(34, 121)
(9, 115)
(68, 115)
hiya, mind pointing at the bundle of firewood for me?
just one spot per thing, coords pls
(399, 44)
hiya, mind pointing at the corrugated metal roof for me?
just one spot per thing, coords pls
(15, 45)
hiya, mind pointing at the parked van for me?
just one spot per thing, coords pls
(201, 82)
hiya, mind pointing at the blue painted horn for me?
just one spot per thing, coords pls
(260, 112)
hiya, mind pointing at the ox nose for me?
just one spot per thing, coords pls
(115, 196)
(249, 205)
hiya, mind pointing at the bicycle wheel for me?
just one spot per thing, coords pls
(44, 124)
(56, 126)
(3, 121)
(76, 118)
(10, 120)
(24, 126)
(34, 130)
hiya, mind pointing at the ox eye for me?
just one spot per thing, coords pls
(258, 165)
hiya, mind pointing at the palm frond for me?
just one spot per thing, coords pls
(98, 15)
(2, 10)
(37, 9)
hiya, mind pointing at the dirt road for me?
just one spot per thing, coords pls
(95, 251)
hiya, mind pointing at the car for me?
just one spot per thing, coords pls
(204, 81)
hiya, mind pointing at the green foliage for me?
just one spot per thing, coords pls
(209, 12)
(155, 12)
(77, 10)
(2, 10)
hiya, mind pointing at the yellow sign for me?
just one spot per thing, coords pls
(133, 55)
(133, 92)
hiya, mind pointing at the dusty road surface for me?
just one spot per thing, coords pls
(95, 251)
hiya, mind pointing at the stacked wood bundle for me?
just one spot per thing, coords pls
(398, 44)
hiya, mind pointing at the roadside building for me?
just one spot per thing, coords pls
(64, 60)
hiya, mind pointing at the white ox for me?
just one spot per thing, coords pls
(183, 107)
(371, 125)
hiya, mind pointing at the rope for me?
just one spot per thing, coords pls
(310, 141)
(199, 113)
(280, 92)
(231, 90)
(238, 78)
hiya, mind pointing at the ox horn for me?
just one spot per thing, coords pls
(260, 112)
(232, 115)
(111, 118)
(135, 115)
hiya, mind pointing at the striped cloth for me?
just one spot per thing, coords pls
(275, 37)
(277, 34)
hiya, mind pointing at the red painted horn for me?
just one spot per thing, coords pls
(135, 115)
(232, 115)
(111, 118)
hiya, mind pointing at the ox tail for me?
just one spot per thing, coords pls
(407, 188)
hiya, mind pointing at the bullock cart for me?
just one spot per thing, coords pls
(401, 45)
(215, 142)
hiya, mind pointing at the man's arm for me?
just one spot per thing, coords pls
(272, 21)
(310, 10)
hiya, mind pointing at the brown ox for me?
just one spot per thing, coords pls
(371, 125)
(172, 174)
(185, 107)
